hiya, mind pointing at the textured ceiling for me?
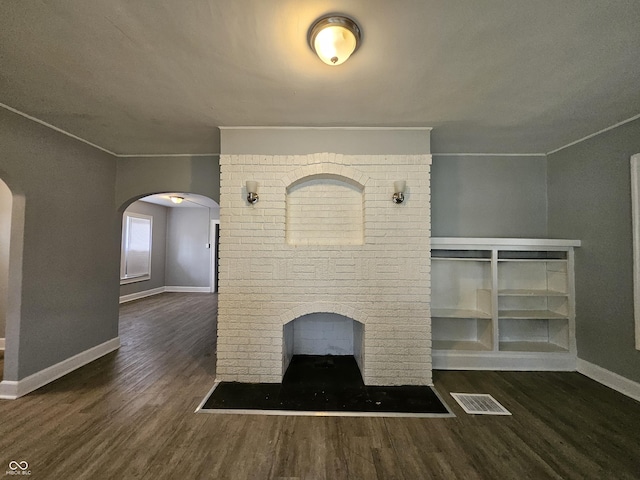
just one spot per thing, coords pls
(158, 76)
(191, 200)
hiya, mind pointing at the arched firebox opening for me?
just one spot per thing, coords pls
(323, 334)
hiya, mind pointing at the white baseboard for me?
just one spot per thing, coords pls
(504, 361)
(188, 289)
(145, 293)
(1, 343)
(156, 291)
(610, 379)
(10, 390)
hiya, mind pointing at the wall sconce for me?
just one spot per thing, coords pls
(252, 191)
(399, 187)
(176, 199)
(334, 38)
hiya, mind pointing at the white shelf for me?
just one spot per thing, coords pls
(458, 313)
(461, 259)
(523, 292)
(468, 243)
(466, 345)
(531, 347)
(532, 260)
(530, 314)
(503, 303)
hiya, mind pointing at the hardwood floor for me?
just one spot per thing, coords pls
(130, 415)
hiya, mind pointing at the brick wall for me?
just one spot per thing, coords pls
(324, 211)
(381, 280)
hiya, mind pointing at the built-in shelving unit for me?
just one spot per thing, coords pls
(503, 303)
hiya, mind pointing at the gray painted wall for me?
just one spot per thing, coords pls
(5, 235)
(158, 247)
(188, 258)
(590, 200)
(478, 196)
(141, 176)
(71, 245)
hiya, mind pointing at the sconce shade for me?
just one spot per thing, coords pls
(176, 199)
(334, 38)
(252, 186)
(252, 191)
(398, 191)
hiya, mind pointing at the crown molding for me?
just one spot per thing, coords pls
(53, 127)
(619, 124)
(159, 155)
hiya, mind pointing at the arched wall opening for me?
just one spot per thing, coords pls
(323, 334)
(12, 205)
(5, 240)
(182, 243)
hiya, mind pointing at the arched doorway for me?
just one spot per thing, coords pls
(5, 241)
(11, 244)
(180, 231)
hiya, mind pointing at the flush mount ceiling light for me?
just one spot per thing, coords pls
(176, 199)
(334, 38)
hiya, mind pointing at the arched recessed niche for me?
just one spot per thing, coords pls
(325, 210)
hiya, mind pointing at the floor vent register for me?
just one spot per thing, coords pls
(479, 404)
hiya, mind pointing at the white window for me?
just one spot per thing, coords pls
(135, 260)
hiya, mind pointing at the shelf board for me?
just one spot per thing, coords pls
(533, 260)
(466, 345)
(530, 314)
(457, 313)
(475, 243)
(531, 347)
(531, 293)
(462, 259)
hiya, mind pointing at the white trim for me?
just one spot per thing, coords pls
(180, 289)
(170, 289)
(610, 379)
(141, 278)
(619, 124)
(256, 127)
(635, 221)
(504, 361)
(91, 144)
(206, 397)
(521, 243)
(10, 390)
(300, 413)
(59, 130)
(2, 343)
(213, 253)
(433, 154)
(137, 295)
(158, 155)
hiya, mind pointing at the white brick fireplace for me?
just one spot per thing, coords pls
(324, 262)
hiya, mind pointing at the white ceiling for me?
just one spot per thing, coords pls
(158, 76)
(191, 200)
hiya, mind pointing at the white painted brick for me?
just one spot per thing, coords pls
(381, 279)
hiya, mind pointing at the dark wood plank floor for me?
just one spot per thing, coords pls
(130, 415)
